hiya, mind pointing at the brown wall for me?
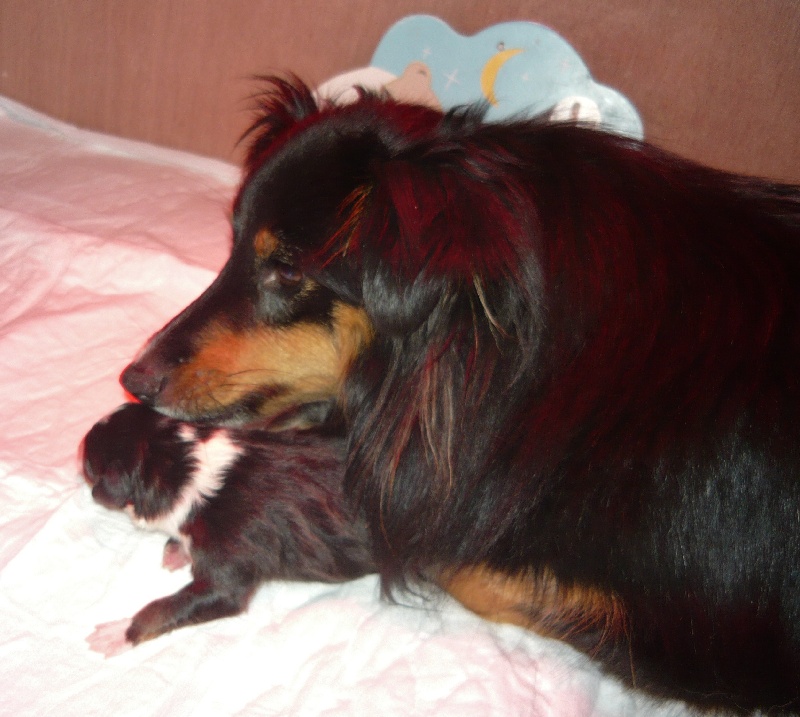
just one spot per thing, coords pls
(718, 80)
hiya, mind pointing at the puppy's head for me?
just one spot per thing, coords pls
(134, 460)
(340, 233)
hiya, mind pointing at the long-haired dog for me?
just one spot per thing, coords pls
(242, 506)
(569, 365)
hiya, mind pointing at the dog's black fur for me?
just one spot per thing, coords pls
(269, 507)
(571, 385)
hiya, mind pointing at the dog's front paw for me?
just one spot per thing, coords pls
(109, 638)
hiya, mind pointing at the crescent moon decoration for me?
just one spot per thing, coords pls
(490, 70)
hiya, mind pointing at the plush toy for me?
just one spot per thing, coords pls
(516, 68)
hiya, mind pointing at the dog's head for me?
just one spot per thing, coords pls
(340, 233)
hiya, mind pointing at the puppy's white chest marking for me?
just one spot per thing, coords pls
(211, 458)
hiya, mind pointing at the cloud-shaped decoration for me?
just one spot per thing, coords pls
(518, 68)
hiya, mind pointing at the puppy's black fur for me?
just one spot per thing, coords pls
(568, 363)
(247, 506)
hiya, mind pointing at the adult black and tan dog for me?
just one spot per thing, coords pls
(569, 368)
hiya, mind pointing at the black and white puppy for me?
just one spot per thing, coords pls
(243, 506)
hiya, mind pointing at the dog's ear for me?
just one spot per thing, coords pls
(387, 230)
(422, 229)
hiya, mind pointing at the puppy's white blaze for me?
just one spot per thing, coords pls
(212, 458)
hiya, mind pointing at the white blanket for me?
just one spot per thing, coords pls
(101, 241)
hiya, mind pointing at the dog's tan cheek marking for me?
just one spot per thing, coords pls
(214, 377)
(323, 356)
(305, 362)
(353, 332)
(538, 603)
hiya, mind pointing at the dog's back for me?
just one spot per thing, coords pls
(649, 455)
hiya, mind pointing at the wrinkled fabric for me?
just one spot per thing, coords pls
(101, 241)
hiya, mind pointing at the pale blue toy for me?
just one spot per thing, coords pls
(518, 68)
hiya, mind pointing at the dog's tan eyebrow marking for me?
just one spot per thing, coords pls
(265, 243)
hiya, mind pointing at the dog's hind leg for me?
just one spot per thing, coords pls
(492, 595)
(540, 603)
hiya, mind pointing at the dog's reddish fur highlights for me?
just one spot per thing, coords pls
(568, 363)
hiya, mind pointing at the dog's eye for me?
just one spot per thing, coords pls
(289, 275)
(277, 274)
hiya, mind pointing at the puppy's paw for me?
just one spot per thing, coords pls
(109, 638)
(175, 556)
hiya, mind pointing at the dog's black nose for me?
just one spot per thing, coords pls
(142, 382)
